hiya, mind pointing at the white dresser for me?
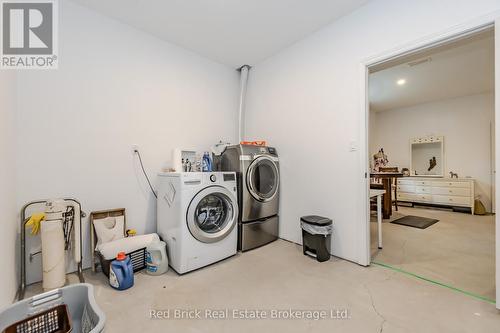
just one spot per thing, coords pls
(456, 192)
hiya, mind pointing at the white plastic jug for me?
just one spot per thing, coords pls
(156, 258)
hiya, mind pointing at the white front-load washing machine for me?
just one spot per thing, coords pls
(197, 217)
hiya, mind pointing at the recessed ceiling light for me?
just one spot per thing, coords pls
(401, 82)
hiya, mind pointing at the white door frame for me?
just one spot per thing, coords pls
(497, 155)
(457, 32)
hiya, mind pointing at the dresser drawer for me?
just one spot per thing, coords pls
(407, 197)
(451, 200)
(414, 181)
(451, 191)
(405, 181)
(423, 197)
(451, 184)
(423, 189)
(414, 197)
(406, 188)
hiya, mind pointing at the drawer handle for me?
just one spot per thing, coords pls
(450, 191)
(451, 199)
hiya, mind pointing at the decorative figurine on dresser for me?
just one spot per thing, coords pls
(379, 160)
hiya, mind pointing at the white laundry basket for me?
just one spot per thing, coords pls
(85, 315)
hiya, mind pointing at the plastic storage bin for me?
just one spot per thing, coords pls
(85, 315)
(138, 258)
(316, 236)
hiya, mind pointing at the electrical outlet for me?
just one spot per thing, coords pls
(135, 148)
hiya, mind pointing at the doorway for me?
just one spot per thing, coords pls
(393, 98)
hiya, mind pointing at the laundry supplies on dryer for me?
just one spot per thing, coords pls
(206, 164)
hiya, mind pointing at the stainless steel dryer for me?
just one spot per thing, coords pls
(257, 170)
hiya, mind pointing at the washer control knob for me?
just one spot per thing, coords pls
(213, 178)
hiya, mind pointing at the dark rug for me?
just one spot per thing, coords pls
(415, 221)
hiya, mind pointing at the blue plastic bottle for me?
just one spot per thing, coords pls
(207, 162)
(121, 272)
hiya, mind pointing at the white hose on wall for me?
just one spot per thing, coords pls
(241, 110)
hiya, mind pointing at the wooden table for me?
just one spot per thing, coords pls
(378, 194)
(387, 182)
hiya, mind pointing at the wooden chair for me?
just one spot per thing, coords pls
(394, 184)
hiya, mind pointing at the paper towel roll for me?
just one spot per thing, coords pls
(53, 263)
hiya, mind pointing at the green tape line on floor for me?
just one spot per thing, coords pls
(482, 298)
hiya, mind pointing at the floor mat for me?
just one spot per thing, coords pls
(415, 221)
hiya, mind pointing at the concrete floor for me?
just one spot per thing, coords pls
(459, 250)
(279, 277)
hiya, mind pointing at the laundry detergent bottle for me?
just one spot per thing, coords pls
(206, 162)
(121, 272)
(156, 258)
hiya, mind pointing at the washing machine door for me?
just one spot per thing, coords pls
(212, 214)
(263, 178)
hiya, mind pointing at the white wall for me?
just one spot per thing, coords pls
(115, 87)
(8, 234)
(305, 101)
(465, 124)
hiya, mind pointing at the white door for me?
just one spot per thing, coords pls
(497, 154)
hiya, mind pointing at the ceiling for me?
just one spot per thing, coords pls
(232, 32)
(461, 68)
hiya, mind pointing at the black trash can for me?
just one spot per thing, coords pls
(316, 236)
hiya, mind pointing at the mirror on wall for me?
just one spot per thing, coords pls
(427, 156)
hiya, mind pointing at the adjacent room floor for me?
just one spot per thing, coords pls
(280, 277)
(459, 250)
